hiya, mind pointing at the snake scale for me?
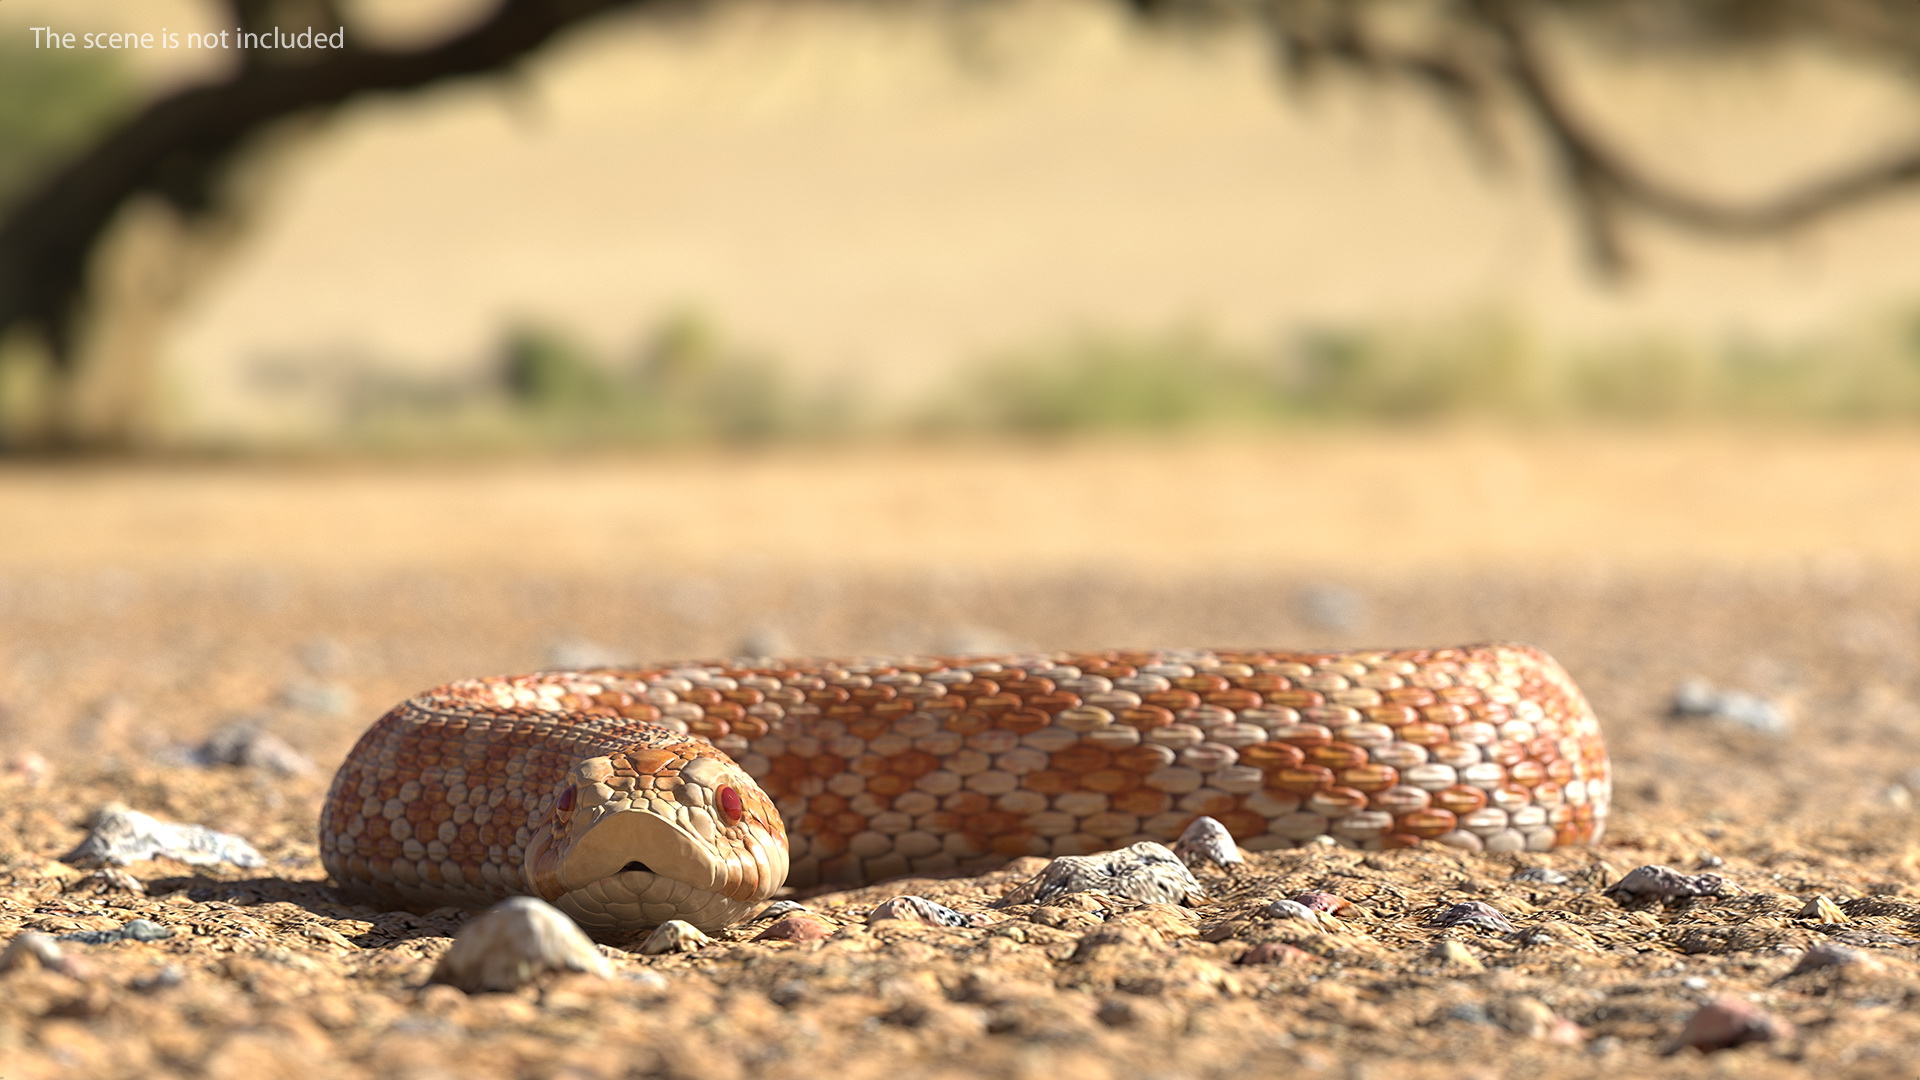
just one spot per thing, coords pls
(630, 796)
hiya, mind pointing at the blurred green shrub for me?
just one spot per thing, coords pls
(27, 394)
(1478, 368)
(1102, 383)
(543, 369)
(684, 384)
(687, 384)
(693, 385)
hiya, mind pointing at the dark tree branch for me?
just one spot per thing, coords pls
(1604, 182)
(1456, 81)
(181, 146)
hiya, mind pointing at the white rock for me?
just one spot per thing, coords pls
(1146, 871)
(674, 936)
(1206, 840)
(515, 942)
(35, 949)
(121, 836)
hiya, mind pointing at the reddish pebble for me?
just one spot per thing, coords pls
(1832, 954)
(797, 928)
(1728, 1022)
(1322, 901)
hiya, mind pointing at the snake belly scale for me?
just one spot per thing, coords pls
(629, 796)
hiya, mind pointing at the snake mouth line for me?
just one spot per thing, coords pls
(680, 877)
(667, 850)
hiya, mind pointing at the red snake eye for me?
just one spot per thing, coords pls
(731, 807)
(564, 803)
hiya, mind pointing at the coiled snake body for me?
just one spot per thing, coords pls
(694, 791)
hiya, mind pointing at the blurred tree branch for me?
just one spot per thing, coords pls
(1482, 50)
(181, 146)
(1475, 57)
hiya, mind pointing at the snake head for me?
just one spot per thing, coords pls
(632, 839)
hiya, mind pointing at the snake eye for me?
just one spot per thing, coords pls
(564, 803)
(731, 807)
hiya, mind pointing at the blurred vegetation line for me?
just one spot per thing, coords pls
(688, 385)
(82, 291)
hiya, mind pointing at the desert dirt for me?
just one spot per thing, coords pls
(144, 607)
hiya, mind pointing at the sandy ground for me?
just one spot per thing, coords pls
(142, 608)
(1378, 506)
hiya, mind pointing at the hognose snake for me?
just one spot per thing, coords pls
(628, 797)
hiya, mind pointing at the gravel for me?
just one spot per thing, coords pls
(266, 971)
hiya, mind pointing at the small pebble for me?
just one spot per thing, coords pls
(1541, 875)
(165, 979)
(797, 928)
(134, 930)
(1291, 909)
(515, 942)
(29, 768)
(1326, 606)
(1454, 954)
(1823, 910)
(762, 642)
(1663, 884)
(1477, 914)
(1207, 841)
(245, 745)
(1322, 901)
(778, 909)
(1728, 1022)
(674, 936)
(1468, 1012)
(1146, 871)
(919, 909)
(1529, 1017)
(1696, 697)
(35, 949)
(324, 698)
(1831, 954)
(650, 981)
